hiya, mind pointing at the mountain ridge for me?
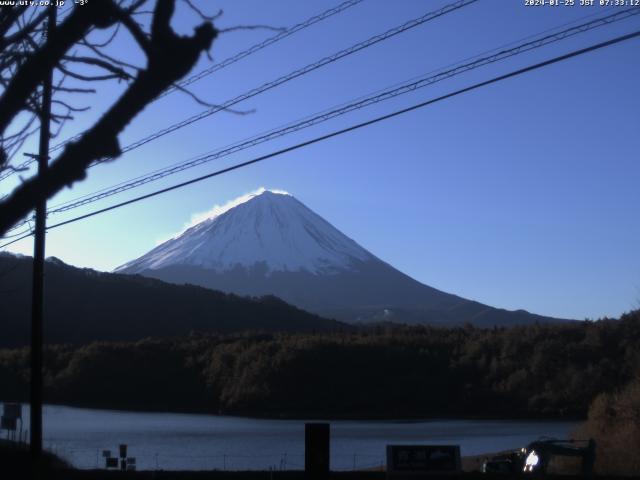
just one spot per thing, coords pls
(83, 305)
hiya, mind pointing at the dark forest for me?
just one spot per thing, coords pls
(538, 371)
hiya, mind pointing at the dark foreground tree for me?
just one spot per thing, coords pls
(27, 54)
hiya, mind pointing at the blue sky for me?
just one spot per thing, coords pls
(520, 195)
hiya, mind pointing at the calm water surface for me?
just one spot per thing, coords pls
(192, 442)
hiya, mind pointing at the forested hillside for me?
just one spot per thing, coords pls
(84, 305)
(529, 371)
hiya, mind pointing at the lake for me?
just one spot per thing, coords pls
(172, 441)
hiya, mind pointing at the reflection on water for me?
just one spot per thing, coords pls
(172, 441)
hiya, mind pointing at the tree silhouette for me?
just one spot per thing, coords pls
(27, 54)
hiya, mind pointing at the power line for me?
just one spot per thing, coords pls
(357, 126)
(245, 53)
(223, 64)
(302, 71)
(259, 46)
(297, 73)
(287, 78)
(342, 110)
(19, 234)
(188, 161)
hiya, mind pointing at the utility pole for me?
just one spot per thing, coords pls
(37, 299)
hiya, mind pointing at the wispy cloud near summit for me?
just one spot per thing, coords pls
(217, 210)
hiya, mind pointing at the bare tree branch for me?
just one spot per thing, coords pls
(70, 107)
(107, 57)
(23, 32)
(108, 40)
(169, 58)
(201, 14)
(88, 78)
(116, 71)
(31, 73)
(138, 34)
(204, 103)
(9, 17)
(75, 90)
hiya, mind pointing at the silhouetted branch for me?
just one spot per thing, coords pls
(108, 40)
(169, 58)
(70, 107)
(24, 32)
(201, 14)
(134, 29)
(115, 71)
(107, 57)
(31, 73)
(75, 90)
(204, 103)
(89, 78)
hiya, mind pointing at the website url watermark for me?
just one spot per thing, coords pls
(37, 3)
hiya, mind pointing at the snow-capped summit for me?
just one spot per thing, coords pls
(267, 242)
(268, 228)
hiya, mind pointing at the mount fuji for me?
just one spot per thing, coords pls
(269, 243)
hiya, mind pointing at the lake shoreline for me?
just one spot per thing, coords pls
(169, 441)
(309, 416)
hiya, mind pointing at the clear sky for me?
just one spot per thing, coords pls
(521, 195)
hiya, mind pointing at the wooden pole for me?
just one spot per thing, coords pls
(37, 300)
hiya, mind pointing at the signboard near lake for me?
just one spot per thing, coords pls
(422, 459)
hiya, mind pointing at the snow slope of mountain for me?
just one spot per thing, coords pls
(270, 228)
(270, 243)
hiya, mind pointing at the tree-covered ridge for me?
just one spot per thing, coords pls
(386, 371)
(84, 305)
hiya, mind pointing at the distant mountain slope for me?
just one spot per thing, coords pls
(271, 243)
(84, 305)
